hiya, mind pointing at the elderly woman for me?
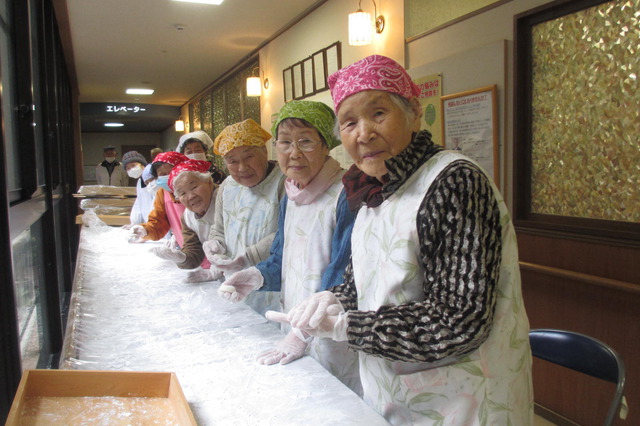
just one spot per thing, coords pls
(312, 245)
(247, 207)
(167, 211)
(193, 186)
(432, 299)
(135, 164)
(196, 145)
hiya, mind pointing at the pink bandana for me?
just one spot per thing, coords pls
(375, 72)
(187, 166)
(170, 157)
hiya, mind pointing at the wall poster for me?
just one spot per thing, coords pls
(470, 125)
(430, 91)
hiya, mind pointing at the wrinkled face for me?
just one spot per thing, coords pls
(301, 167)
(375, 128)
(247, 165)
(194, 147)
(193, 192)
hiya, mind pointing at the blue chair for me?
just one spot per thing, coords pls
(584, 354)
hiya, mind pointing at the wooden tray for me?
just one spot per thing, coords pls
(67, 397)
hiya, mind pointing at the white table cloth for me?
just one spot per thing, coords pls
(131, 310)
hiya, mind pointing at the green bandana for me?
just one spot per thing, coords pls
(319, 115)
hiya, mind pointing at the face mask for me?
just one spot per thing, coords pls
(135, 172)
(110, 159)
(198, 156)
(152, 187)
(163, 182)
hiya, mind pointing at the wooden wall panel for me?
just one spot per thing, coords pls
(605, 306)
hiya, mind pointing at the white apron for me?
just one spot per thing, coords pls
(308, 230)
(202, 225)
(250, 214)
(492, 385)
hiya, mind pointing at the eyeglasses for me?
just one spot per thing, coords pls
(304, 145)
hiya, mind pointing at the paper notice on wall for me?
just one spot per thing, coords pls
(430, 91)
(469, 126)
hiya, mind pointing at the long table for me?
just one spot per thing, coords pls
(133, 311)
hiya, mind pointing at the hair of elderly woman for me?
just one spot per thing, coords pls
(191, 140)
(203, 177)
(402, 103)
(299, 122)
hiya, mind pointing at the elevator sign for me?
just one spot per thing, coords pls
(124, 108)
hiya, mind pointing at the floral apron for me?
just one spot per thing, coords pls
(201, 226)
(492, 385)
(250, 214)
(308, 230)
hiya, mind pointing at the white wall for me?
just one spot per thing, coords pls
(455, 50)
(323, 27)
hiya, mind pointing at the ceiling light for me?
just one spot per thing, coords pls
(216, 2)
(113, 124)
(139, 91)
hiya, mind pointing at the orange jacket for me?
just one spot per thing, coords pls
(158, 225)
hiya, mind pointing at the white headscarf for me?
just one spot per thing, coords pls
(198, 134)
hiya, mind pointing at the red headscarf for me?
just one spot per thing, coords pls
(187, 166)
(170, 157)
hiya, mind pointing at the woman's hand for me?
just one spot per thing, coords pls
(137, 234)
(228, 265)
(320, 315)
(240, 284)
(170, 254)
(290, 349)
(211, 248)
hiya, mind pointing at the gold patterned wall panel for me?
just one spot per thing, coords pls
(586, 114)
(233, 93)
(225, 103)
(218, 110)
(196, 117)
(207, 114)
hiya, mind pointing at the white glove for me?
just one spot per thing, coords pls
(170, 254)
(240, 284)
(290, 349)
(137, 234)
(127, 226)
(203, 275)
(333, 326)
(172, 243)
(228, 265)
(320, 315)
(211, 248)
(312, 310)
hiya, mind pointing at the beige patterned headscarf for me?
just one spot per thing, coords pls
(244, 133)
